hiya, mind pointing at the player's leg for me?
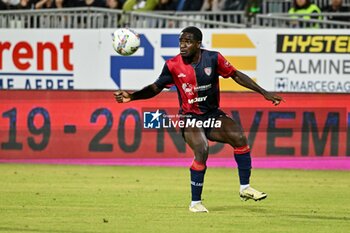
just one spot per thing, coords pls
(196, 139)
(232, 133)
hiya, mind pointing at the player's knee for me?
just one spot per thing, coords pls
(238, 139)
(200, 146)
(205, 151)
(201, 152)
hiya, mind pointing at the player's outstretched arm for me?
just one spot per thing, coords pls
(145, 93)
(243, 80)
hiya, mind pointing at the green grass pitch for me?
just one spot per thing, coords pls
(98, 199)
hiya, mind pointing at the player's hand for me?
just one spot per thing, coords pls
(122, 96)
(275, 99)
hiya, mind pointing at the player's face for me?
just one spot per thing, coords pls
(188, 45)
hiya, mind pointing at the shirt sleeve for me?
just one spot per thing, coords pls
(165, 79)
(224, 68)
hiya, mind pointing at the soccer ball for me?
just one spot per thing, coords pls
(125, 41)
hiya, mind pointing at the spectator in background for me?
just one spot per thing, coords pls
(24, 5)
(12, 4)
(49, 4)
(234, 5)
(60, 3)
(19, 4)
(45, 4)
(252, 8)
(114, 4)
(3, 5)
(189, 5)
(93, 3)
(336, 6)
(302, 7)
(137, 5)
(140, 5)
(213, 5)
(76, 3)
(166, 5)
(87, 3)
(63, 3)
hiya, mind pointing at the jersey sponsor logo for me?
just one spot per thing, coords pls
(197, 99)
(187, 87)
(207, 71)
(202, 88)
(181, 75)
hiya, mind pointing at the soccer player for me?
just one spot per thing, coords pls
(195, 73)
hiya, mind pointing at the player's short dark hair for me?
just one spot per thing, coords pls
(197, 34)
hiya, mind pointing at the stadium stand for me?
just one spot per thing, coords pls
(282, 6)
(273, 13)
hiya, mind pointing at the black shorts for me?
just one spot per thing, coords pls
(214, 114)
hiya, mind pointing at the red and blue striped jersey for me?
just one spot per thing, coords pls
(197, 84)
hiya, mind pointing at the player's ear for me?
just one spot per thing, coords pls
(199, 44)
